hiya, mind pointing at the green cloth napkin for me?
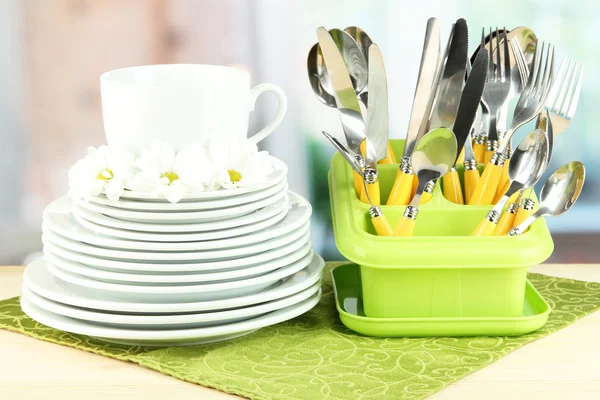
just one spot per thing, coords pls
(315, 357)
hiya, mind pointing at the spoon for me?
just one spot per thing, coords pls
(432, 158)
(382, 226)
(526, 205)
(558, 194)
(527, 165)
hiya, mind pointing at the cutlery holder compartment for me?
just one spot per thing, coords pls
(441, 271)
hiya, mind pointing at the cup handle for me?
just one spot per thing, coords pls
(271, 126)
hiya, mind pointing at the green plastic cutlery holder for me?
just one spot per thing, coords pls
(441, 271)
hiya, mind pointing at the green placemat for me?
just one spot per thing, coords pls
(314, 356)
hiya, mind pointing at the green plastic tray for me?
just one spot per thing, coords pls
(441, 271)
(346, 283)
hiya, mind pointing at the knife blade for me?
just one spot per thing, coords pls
(377, 109)
(345, 96)
(470, 98)
(451, 84)
(427, 72)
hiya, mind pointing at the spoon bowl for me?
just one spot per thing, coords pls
(434, 155)
(562, 189)
(529, 160)
(317, 75)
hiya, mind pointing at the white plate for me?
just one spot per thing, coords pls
(158, 256)
(59, 218)
(164, 278)
(190, 205)
(175, 293)
(279, 174)
(182, 217)
(177, 321)
(168, 337)
(265, 259)
(38, 279)
(257, 216)
(179, 237)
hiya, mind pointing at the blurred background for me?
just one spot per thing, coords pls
(53, 52)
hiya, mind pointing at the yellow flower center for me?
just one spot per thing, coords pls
(105, 175)
(234, 176)
(170, 176)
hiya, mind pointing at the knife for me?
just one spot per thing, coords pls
(402, 190)
(349, 111)
(377, 109)
(450, 88)
(382, 226)
(467, 111)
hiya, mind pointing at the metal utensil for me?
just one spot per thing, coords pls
(382, 226)
(356, 62)
(467, 109)
(562, 101)
(497, 92)
(317, 76)
(364, 42)
(377, 110)
(527, 165)
(530, 104)
(451, 84)
(564, 96)
(402, 188)
(559, 193)
(350, 113)
(432, 158)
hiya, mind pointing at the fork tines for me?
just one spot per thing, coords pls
(564, 96)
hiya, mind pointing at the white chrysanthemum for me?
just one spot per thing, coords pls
(102, 170)
(238, 163)
(164, 173)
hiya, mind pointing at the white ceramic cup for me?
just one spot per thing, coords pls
(181, 104)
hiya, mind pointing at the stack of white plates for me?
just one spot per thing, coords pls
(142, 271)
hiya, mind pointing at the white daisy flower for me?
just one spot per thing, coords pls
(102, 170)
(238, 163)
(164, 173)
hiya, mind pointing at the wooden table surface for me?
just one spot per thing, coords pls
(563, 365)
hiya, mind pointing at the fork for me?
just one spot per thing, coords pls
(532, 101)
(561, 106)
(564, 96)
(497, 90)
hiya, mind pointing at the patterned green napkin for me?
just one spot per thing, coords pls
(314, 356)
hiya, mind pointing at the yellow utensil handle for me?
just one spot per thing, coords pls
(461, 157)
(505, 224)
(486, 188)
(479, 152)
(405, 227)
(485, 228)
(451, 187)
(358, 183)
(390, 158)
(402, 189)
(373, 192)
(501, 190)
(382, 226)
(415, 185)
(522, 215)
(488, 156)
(504, 183)
(471, 181)
(425, 197)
